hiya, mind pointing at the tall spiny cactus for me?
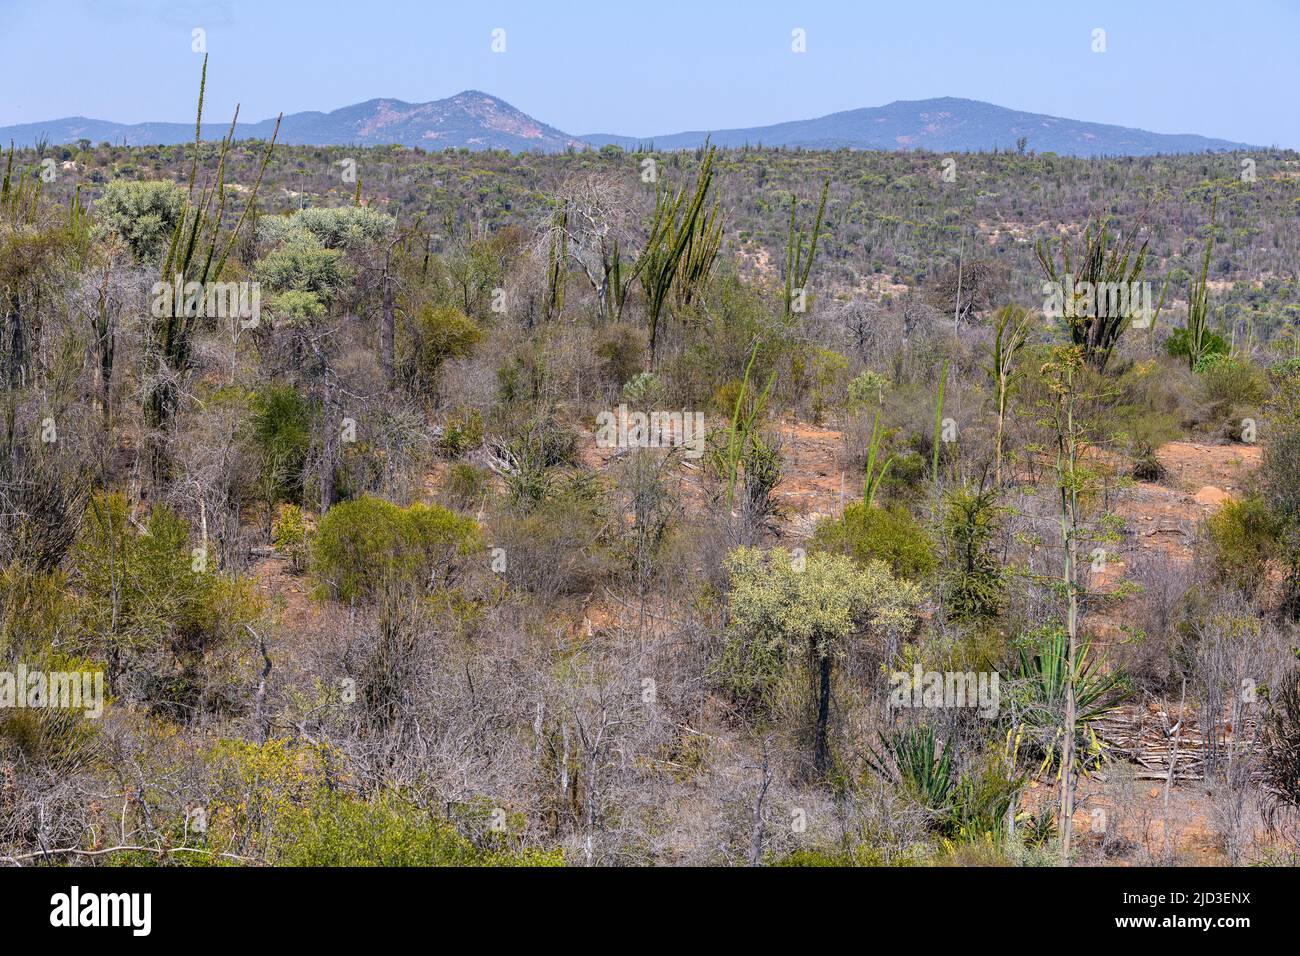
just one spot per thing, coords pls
(671, 230)
(193, 257)
(555, 274)
(743, 423)
(700, 254)
(18, 199)
(1104, 260)
(1198, 302)
(798, 262)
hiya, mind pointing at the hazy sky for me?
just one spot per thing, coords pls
(645, 67)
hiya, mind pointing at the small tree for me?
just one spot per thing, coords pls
(144, 214)
(780, 604)
(973, 578)
(1066, 377)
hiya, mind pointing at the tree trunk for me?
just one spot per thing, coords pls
(821, 745)
(997, 442)
(327, 484)
(756, 831)
(387, 358)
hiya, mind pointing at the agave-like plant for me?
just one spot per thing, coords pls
(1039, 700)
(909, 759)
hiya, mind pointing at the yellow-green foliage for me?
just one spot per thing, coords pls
(256, 784)
(290, 535)
(33, 608)
(139, 588)
(1230, 381)
(289, 804)
(780, 604)
(463, 432)
(891, 535)
(1244, 539)
(337, 830)
(363, 544)
(432, 336)
(54, 734)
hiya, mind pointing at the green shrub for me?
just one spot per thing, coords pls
(336, 830)
(431, 337)
(144, 214)
(1230, 381)
(1243, 535)
(644, 391)
(1179, 345)
(141, 591)
(34, 608)
(290, 535)
(462, 433)
(536, 444)
(889, 534)
(467, 484)
(909, 472)
(364, 544)
(281, 426)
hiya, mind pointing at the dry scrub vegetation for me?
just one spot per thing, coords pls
(340, 526)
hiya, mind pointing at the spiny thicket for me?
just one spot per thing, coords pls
(537, 510)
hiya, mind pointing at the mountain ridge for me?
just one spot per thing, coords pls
(941, 124)
(474, 120)
(471, 119)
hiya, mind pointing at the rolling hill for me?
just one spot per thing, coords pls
(471, 119)
(476, 120)
(948, 124)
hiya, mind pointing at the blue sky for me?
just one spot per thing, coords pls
(646, 67)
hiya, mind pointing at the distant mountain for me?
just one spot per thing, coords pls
(472, 119)
(475, 120)
(947, 124)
